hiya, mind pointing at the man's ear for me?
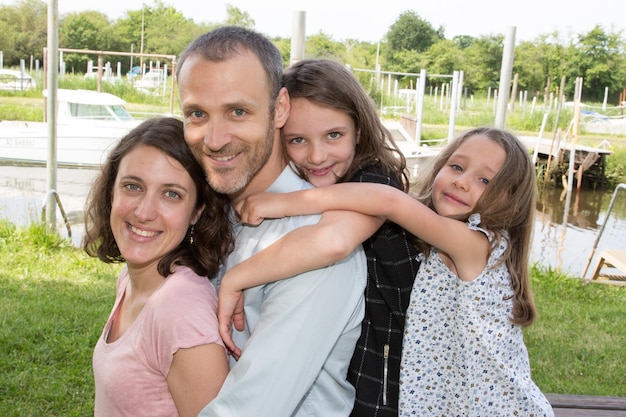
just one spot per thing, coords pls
(283, 106)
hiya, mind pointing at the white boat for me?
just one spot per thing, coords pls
(89, 124)
(14, 80)
(416, 156)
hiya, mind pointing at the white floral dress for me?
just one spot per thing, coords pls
(461, 355)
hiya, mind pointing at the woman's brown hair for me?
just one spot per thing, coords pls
(212, 238)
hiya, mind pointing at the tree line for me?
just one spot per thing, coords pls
(410, 44)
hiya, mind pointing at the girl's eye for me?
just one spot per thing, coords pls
(484, 181)
(296, 141)
(456, 167)
(334, 135)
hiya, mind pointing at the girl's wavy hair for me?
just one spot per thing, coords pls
(212, 232)
(506, 208)
(330, 84)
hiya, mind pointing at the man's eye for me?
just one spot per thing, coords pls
(239, 112)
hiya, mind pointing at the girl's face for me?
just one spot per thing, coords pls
(153, 205)
(320, 141)
(463, 179)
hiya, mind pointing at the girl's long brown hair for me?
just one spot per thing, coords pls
(330, 84)
(507, 205)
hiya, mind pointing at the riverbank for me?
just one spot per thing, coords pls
(54, 301)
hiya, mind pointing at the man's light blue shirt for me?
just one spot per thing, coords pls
(300, 332)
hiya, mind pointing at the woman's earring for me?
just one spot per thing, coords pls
(191, 235)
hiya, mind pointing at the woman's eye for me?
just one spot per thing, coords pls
(132, 187)
(172, 194)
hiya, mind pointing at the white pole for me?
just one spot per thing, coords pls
(419, 105)
(453, 104)
(298, 36)
(51, 108)
(505, 78)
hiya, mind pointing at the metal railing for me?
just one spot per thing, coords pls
(53, 193)
(606, 218)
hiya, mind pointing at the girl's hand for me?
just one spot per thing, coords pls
(229, 312)
(255, 208)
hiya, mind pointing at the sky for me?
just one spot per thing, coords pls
(342, 19)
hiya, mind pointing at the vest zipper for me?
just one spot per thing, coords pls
(385, 372)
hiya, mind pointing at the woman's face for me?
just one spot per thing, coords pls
(320, 141)
(154, 200)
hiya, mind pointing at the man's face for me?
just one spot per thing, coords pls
(227, 120)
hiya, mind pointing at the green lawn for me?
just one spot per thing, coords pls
(54, 301)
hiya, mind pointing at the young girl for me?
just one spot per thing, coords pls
(334, 134)
(463, 349)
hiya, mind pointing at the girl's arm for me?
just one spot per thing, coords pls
(307, 248)
(468, 249)
(196, 376)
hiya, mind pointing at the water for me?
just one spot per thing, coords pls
(563, 239)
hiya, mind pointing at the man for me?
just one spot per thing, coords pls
(301, 331)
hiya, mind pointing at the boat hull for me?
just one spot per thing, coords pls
(76, 145)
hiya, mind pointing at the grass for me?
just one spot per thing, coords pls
(578, 344)
(54, 301)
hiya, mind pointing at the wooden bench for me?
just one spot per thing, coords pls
(611, 258)
(587, 405)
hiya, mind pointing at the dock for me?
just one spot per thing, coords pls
(587, 405)
(547, 147)
(553, 156)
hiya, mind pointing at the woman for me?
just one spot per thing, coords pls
(160, 353)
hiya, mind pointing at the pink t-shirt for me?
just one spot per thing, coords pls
(130, 373)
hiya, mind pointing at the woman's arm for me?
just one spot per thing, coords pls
(196, 376)
(307, 248)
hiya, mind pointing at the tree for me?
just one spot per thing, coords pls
(411, 33)
(483, 62)
(164, 30)
(24, 31)
(463, 41)
(86, 30)
(444, 57)
(361, 54)
(599, 59)
(167, 31)
(532, 66)
(236, 17)
(322, 46)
